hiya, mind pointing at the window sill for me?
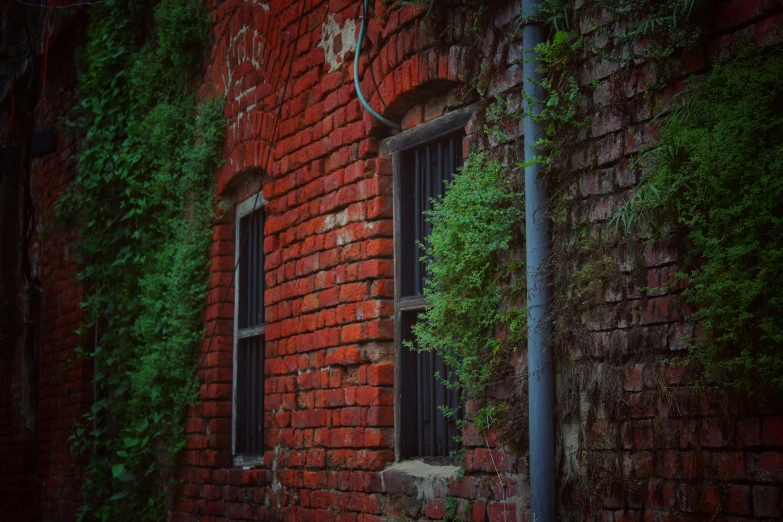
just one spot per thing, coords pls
(426, 468)
(248, 461)
(416, 478)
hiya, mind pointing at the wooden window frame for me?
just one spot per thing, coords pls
(254, 203)
(395, 146)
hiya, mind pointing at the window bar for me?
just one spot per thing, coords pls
(257, 397)
(433, 407)
(420, 403)
(241, 284)
(251, 272)
(439, 188)
(257, 279)
(425, 386)
(261, 282)
(251, 240)
(426, 205)
(416, 219)
(241, 402)
(458, 155)
(454, 405)
(262, 279)
(251, 403)
(258, 414)
(442, 449)
(248, 399)
(449, 173)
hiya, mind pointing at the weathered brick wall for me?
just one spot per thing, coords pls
(39, 475)
(639, 441)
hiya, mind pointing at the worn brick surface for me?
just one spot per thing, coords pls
(39, 475)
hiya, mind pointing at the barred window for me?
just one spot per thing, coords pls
(249, 333)
(424, 160)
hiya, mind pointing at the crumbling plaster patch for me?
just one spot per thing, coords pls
(337, 42)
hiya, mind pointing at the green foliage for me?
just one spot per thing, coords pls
(499, 112)
(450, 509)
(474, 225)
(142, 201)
(717, 175)
(554, 14)
(664, 26)
(557, 110)
(639, 29)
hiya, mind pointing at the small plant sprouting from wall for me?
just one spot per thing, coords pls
(475, 227)
(142, 202)
(716, 176)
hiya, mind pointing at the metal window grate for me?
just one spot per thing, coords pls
(424, 430)
(423, 395)
(250, 396)
(425, 170)
(249, 360)
(251, 270)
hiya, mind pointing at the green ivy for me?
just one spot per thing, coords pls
(473, 226)
(142, 202)
(717, 176)
(656, 29)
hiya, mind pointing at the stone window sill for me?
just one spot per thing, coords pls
(417, 478)
(248, 461)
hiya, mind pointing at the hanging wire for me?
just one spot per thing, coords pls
(369, 62)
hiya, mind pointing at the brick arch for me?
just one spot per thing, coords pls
(422, 76)
(245, 183)
(245, 67)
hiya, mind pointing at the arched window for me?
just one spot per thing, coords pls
(424, 158)
(249, 286)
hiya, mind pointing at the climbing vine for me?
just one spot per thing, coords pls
(142, 202)
(474, 227)
(715, 177)
(588, 61)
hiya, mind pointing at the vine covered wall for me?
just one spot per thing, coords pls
(642, 433)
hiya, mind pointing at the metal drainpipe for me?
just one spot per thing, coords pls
(541, 374)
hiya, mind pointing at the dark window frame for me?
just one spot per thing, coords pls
(406, 306)
(248, 330)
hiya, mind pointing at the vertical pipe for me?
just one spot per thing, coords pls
(541, 389)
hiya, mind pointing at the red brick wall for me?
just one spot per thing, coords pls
(39, 475)
(639, 441)
(329, 303)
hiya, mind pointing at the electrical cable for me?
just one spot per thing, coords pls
(356, 85)
(372, 73)
(255, 203)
